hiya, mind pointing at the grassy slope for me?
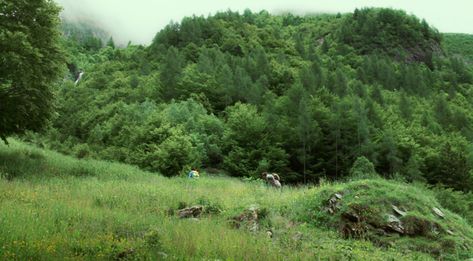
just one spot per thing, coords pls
(53, 206)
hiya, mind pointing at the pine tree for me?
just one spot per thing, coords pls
(111, 43)
(405, 107)
(226, 83)
(442, 111)
(242, 85)
(377, 95)
(389, 160)
(307, 129)
(171, 70)
(325, 46)
(362, 128)
(341, 83)
(299, 45)
(262, 63)
(308, 79)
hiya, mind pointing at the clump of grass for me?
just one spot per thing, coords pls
(210, 207)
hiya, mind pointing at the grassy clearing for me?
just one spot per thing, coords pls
(57, 207)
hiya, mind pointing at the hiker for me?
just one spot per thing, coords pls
(193, 174)
(272, 179)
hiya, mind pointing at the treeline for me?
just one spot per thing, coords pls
(459, 45)
(302, 96)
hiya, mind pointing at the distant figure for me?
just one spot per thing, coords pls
(272, 179)
(79, 77)
(193, 174)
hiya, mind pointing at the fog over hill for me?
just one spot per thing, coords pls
(140, 20)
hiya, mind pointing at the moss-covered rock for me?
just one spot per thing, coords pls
(390, 214)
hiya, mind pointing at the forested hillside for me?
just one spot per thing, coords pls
(460, 45)
(304, 96)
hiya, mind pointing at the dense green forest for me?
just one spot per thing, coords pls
(252, 92)
(459, 45)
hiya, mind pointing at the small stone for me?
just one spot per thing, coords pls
(333, 203)
(438, 212)
(298, 236)
(253, 208)
(353, 217)
(253, 226)
(163, 255)
(190, 212)
(392, 218)
(394, 224)
(435, 230)
(398, 211)
(248, 219)
(269, 234)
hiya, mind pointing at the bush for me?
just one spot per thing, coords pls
(455, 201)
(175, 154)
(81, 151)
(362, 168)
(82, 170)
(167, 150)
(153, 239)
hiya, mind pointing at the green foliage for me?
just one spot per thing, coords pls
(452, 165)
(362, 168)
(456, 201)
(391, 32)
(245, 137)
(111, 43)
(84, 34)
(252, 92)
(460, 45)
(171, 153)
(31, 62)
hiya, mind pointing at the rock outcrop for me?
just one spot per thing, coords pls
(190, 212)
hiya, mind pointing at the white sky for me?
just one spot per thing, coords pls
(140, 20)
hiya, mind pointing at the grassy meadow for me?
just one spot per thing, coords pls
(55, 207)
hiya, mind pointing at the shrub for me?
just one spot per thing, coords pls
(362, 168)
(456, 201)
(169, 151)
(153, 239)
(81, 150)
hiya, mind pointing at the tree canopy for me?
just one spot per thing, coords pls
(31, 60)
(303, 96)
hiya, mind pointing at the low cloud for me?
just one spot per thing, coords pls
(139, 20)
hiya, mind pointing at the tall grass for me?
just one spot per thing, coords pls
(54, 207)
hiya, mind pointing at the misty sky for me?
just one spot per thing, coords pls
(140, 20)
